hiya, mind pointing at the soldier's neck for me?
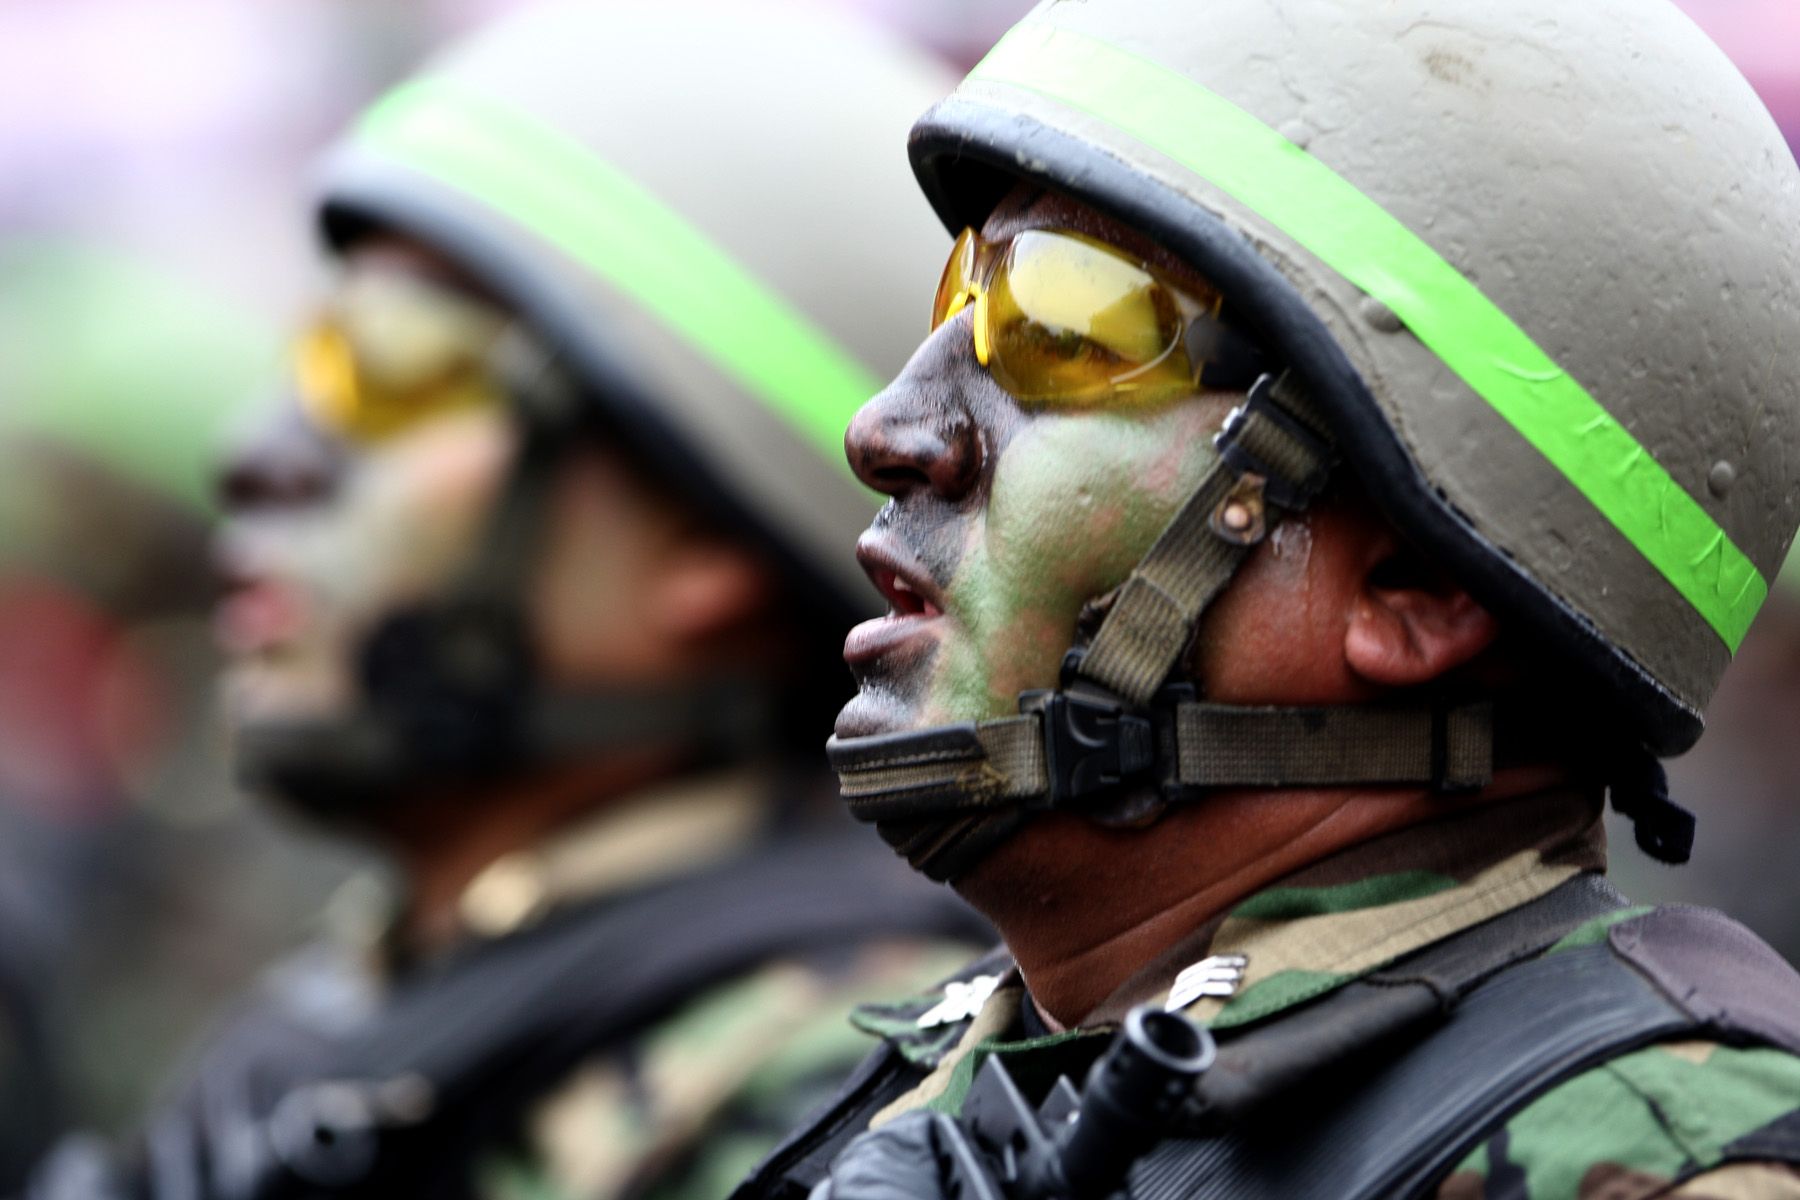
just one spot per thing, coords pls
(1083, 908)
(443, 842)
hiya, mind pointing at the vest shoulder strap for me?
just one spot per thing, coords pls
(1393, 1122)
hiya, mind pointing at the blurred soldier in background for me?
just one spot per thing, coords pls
(539, 589)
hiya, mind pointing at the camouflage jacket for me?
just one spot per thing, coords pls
(674, 1108)
(1657, 1122)
(689, 1104)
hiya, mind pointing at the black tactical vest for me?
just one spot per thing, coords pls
(1380, 1088)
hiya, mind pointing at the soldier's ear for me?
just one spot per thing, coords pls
(1410, 623)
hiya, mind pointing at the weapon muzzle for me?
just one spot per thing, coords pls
(1133, 1095)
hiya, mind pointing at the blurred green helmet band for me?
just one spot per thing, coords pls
(1539, 263)
(702, 207)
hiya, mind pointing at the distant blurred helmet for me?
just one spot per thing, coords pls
(1538, 264)
(700, 212)
(959, 30)
(119, 379)
(699, 204)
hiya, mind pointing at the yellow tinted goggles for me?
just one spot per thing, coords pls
(1064, 319)
(393, 350)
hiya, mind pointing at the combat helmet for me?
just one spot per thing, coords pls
(1531, 271)
(700, 210)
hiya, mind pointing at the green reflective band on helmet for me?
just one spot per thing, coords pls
(1356, 237)
(593, 212)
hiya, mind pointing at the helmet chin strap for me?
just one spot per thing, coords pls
(1117, 743)
(450, 691)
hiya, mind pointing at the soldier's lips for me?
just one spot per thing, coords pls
(257, 617)
(914, 600)
(899, 575)
(885, 637)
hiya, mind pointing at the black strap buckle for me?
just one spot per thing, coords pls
(1450, 777)
(1092, 744)
(1095, 741)
(1278, 485)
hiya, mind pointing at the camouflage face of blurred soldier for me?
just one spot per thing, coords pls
(329, 538)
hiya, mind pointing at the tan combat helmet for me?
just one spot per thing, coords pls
(1540, 263)
(1533, 269)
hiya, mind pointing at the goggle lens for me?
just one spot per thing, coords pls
(1072, 322)
(391, 352)
(1061, 318)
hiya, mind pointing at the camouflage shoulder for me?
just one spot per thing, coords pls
(690, 1106)
(926, 1025)
(1693, 1119)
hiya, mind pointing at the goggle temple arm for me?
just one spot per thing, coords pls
(977, 295)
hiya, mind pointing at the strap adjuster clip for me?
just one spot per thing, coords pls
(1092, 744)
(1279, 484)
(1094, 741)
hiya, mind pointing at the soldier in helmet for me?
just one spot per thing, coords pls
(539, 589)
(1352, 441)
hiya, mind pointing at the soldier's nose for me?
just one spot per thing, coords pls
(914, 437)
(283, 461)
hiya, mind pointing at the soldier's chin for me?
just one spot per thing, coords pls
(874, 711)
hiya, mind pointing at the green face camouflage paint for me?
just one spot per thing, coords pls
(1033, 513)
(1073, 502)
(1076, 502)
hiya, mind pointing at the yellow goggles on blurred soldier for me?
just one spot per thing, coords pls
(1061, 318)
(393, 350)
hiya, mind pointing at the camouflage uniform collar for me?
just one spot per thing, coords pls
(1359, 910)
(1309, 934)
(633, 842)
(926, 1028)
(638, 840)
